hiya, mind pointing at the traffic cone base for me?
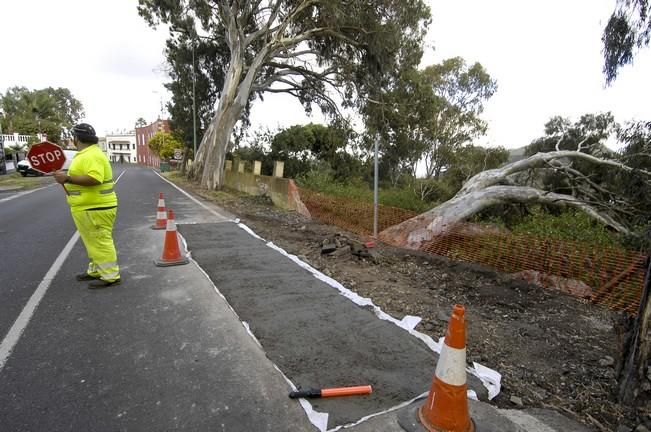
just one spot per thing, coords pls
(164, 263)
(161, 218)
(446, 408)
(457, 418)
(171, 252)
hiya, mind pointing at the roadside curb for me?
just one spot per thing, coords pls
(10, 188)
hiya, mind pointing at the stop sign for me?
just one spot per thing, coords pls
(46, 157)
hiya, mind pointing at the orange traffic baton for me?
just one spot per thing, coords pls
(171, 252)
(331, 392)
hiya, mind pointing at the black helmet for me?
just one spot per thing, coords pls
(85, 133)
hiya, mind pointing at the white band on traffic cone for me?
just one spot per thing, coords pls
(451, 367)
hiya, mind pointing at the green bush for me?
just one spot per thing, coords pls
(323, 180)
(572, 225)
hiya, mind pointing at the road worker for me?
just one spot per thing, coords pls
(93, 204)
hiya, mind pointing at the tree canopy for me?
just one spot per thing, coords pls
(636, 137)
(208, 71)
(302, 145)
(627, 30)
(52, 111)
(428, 115)
(164, 143)
(310, 49)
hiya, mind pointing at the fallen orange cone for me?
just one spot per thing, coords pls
(161, 220)
(171, 251)
(446, 408)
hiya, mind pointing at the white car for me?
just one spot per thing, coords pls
(24, 167)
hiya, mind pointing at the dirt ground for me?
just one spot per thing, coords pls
(552, 350)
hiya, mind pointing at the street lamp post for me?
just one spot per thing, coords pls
(375, 186)
(194, 106)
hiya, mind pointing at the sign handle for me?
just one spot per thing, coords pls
(62, 185)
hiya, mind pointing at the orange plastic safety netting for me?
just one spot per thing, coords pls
(353, 215)
(610, 276)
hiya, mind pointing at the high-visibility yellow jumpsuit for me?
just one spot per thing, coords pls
(94, 209)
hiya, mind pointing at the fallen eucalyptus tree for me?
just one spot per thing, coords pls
(504, 185)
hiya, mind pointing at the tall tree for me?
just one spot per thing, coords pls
(301, 145)
(400, 118)
(460, 91)
(163, 144)
(50, 111)
(628, 29)
(428, 114)
(141, 122)
(197, 83)
(302, 47)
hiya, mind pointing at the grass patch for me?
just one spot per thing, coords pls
(217, 196)
(570, 225)
(15, 180)
(356, 190)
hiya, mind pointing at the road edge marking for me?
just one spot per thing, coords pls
(23, 193)
(214, 212)
(17, 329)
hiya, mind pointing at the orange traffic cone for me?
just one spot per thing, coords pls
(161, 222)
(171, 252)
(446, 408)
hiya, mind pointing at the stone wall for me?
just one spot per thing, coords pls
(282, 191)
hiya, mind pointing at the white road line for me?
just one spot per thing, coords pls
(121, 174)
(17, 329)
(215, 213)
(23, 193)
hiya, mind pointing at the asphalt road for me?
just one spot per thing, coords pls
(33, 229)
(161, 351)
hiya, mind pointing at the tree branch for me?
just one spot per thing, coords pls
(290, 17)
(495, 176)
(289, 70)
(286, 43)
(296, 54)
(422, 228)
(265, 28)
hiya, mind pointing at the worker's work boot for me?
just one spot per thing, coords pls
(82, 277)
(99, 284)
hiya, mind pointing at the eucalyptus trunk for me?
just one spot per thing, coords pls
(209, 164)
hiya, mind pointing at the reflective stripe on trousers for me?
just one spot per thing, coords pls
(96, 230)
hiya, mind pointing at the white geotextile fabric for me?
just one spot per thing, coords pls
(489, 377)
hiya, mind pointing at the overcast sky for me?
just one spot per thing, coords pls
(545, 56)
